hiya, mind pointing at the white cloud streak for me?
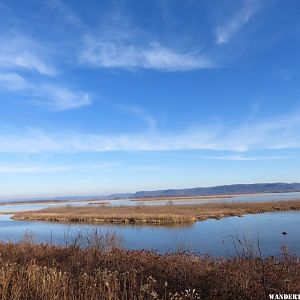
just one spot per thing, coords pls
(62, 98)
(53, 96)
(104, 54)
(116, 47)
(65, 12)
(5, 169)
(247, 158)
(136, 111)
(19, 52)
(233, 24)
(277, 133)
(12, 82)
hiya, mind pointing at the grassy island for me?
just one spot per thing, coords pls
(165, 214)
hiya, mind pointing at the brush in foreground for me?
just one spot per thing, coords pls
(100, 271)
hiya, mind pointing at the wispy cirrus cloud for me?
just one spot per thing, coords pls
(280, 132)
(108, 54)
(20, 52)
(123, 45)
(38, 168)
(12, 81)
(141, 114)
(233, 24)
(65, 12)
(61, 98)
(247, 158)
(120, 44)
(54, 96)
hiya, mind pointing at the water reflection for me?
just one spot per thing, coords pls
(212, 237)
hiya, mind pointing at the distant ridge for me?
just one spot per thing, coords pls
(232, 189)
(217, 190)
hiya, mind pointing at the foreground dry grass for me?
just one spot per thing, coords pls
(167, 214)
(29, 271)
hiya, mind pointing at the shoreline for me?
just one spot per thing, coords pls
(179, 198)
(164, 214)
(217, 196)
(28, 202)
(141, 199)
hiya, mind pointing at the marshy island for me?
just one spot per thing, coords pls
(160, 214)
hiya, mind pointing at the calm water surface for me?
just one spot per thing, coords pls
(212, 237)
(129, 202)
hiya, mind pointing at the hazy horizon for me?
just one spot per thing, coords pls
(84, 195)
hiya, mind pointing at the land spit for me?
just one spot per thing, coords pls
(164, 214)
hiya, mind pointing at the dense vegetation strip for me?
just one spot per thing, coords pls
(101, 270)
(165, 214)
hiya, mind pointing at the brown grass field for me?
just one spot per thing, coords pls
(103, 271)
(166, 214)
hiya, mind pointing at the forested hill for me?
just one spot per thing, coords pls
(222, 190)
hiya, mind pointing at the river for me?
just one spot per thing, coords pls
(213, 237)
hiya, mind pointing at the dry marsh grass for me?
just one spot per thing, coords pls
(29, 271)
(166, 214)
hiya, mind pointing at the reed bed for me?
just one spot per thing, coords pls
(164, 214)
(106, 272)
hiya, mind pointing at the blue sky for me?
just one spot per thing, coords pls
(100, 97)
